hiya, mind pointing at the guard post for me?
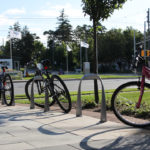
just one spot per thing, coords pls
(32, 104)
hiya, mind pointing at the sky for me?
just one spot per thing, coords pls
(41, 15)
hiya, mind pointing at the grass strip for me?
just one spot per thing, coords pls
(79, 76)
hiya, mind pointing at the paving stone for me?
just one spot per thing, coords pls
(16, 146)
(22, 128)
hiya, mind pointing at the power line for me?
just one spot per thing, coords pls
(39, 18)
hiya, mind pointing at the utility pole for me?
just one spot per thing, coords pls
(145, 39)
(11, 36)
(80, 57)
(86, 52)
(134, 45)
(148, 24)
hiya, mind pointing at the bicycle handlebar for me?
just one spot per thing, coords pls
(136, 62)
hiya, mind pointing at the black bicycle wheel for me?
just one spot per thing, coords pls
(8, 90)
(124, 101)
(39, 94)
(61, 94)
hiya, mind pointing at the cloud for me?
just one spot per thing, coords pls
(48, 13)
(14, 11)
(54, 11)
(5, 21)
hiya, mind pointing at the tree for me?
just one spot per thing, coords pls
(111, 46)
(61, 36)
(82, 32)
(64, 29)
(129, 37)
(39, 51)
(22, 49)
(98, 10)
(64, 33)
(14, 43)
(50, 45)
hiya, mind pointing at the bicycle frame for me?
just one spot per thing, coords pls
(145, 74)
(1, 77)
(48, 79)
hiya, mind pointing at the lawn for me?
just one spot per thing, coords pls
(87, 98)
(79, 76)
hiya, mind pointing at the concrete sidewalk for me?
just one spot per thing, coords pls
(22, 128)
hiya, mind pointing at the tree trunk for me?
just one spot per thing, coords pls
(95, 63)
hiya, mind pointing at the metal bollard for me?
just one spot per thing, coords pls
(36, 78)
(13, 103)
(46, 106)
(32, 105)
(103, 103)
(2, 98)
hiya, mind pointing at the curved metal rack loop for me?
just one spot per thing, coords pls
(103, 117)
(46, 105)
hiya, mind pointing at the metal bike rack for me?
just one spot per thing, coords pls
(13, 103)
(103, 103)
(32, 104)
(2, 100)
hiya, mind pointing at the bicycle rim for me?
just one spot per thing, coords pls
(124, 102)
(39, 94)
(8, 90)
(61, 94)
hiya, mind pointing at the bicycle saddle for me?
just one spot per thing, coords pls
(45, 62)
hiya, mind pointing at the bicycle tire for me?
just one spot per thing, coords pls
(124, 100)
(61, 94)
(8, 90)
(39, 100)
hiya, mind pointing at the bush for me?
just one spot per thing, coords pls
(88, 103)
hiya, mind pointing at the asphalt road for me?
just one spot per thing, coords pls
(72, 85)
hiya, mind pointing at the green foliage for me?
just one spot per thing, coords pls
(111, 44)
(89, 103)
(114, 45)
(100, 10)
(39, 51)
(57, 41)
(24, 49)
(64, 30)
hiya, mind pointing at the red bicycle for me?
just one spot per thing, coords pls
(131, 101)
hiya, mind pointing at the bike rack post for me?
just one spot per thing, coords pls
(103, 103)
(2, 102)
(32, 105)
(13, 103)
(46, 105)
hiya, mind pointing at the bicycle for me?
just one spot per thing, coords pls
(57, 89)
(131, 101)
(6, 86)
